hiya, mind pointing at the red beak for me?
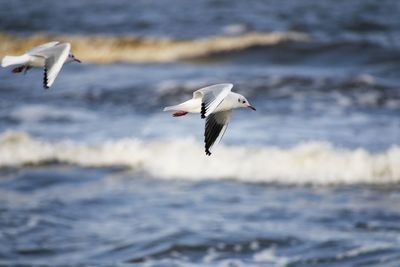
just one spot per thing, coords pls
(251, 107)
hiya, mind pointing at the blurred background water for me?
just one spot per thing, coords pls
(93, 173)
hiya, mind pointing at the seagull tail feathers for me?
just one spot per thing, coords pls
(12, 60)
(170, 108)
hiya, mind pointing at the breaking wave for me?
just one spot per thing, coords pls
(309, 163)
(109, 49)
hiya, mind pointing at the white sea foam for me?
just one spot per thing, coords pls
(313, 163)
(139, 50)
(238, 28)
(36, 113)
(269, 256)
(370, 248)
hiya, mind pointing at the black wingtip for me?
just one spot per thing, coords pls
(45, 80)
(203, 110)
(208, 153)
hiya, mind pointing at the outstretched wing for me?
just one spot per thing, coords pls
(54, 60)
(216, 125)
(42, 47)
(212, 96)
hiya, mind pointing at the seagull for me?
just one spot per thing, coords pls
(50, 56)
(215, 104)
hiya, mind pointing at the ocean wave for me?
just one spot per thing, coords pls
(41, 113)
(108, 49)
(308, 163)
(315, 52)
(363, 90)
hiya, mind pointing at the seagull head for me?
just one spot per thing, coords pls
(71, 57)
(242, 102)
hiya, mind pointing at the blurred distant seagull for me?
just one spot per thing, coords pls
(215, 103)
(51, 56)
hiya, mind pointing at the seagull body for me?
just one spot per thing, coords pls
(50, 56)
(215, 104)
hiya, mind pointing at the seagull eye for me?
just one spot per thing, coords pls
(244, 102)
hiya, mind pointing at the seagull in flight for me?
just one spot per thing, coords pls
(215, 104)
(50, 56)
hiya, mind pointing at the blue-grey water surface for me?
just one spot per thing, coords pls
(93, 173)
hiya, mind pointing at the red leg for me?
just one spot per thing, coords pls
(179, 113)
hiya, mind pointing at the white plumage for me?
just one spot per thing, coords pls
(50, 56)
(215, 103)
